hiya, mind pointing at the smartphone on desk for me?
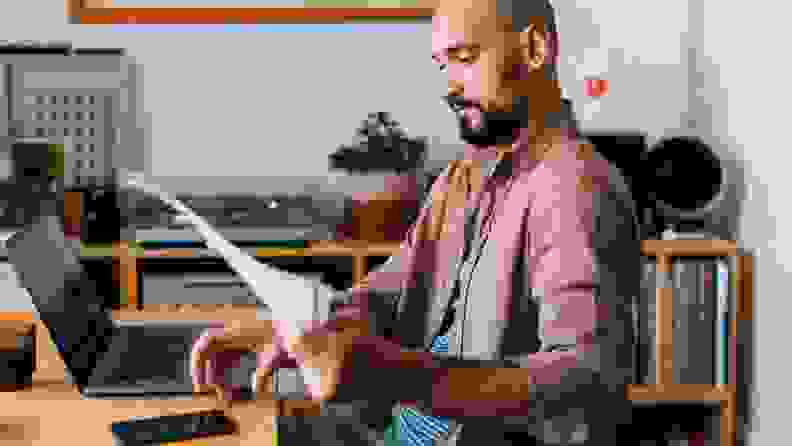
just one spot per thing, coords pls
(170, 428)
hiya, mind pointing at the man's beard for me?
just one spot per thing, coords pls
(495, 127)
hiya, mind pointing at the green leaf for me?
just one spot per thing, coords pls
(56, 160)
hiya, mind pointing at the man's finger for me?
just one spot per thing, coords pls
(293, 344)
(262, 381)
(221, 396)
(200, 367)
(200, 352)
(197, 369)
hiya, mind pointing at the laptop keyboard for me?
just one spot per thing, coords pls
(150, 355)
(153, 356)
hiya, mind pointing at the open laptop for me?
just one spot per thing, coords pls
(105, 358)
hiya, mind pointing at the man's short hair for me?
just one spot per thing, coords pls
(524, 12)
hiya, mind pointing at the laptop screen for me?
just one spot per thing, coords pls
(65, 298)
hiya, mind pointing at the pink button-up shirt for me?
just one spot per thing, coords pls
(552, 291)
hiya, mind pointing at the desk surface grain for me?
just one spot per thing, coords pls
(50, 412)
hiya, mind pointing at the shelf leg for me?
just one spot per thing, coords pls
(664, 325)
(125, 263)
(359, 268)
(728, 431)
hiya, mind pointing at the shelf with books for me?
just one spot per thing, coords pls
(701, 290)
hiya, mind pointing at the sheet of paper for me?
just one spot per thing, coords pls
(289, 297)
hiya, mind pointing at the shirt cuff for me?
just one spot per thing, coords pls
(377, 369)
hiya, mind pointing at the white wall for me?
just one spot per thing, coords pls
(745, 69)
(639, 48)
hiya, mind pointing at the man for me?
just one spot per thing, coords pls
(522, 265)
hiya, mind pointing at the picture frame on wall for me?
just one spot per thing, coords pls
(244, 11)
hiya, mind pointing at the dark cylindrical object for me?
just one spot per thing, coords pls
(101, 220)
(685, 178)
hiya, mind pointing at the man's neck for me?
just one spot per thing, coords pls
(544, 128)
(534, 142)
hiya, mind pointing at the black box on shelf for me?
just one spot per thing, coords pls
(17, 354)
(101, 220)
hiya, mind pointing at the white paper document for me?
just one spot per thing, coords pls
(289, 297)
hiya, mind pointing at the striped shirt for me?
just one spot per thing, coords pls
(415, 429)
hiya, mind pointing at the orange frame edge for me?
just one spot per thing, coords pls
(79, 13)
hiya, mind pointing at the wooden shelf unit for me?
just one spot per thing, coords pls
(126, 258)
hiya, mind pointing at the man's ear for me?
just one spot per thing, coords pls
(533, 45)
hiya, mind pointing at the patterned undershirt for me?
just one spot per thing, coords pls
(421, 430)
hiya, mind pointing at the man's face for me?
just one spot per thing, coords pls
(488, 82)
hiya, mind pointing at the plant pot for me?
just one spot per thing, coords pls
(383, 206)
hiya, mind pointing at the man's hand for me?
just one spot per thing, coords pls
(324, 352)
(218, 348)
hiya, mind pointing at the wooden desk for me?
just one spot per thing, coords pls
(51, 412)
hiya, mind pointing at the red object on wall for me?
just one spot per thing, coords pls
(595, 87)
